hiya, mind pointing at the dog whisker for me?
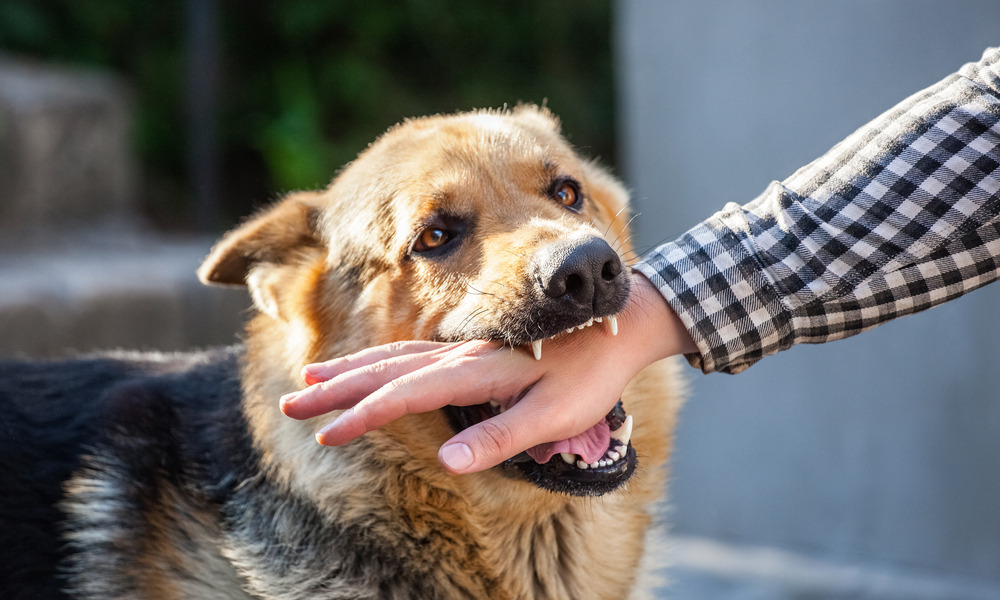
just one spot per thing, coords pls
(626, 228)
(615, 218)
(479, 292)
(471, 317)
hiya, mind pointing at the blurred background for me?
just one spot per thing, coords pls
(132, 133)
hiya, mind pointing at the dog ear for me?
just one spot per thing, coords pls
(538, 116)
(278, 235)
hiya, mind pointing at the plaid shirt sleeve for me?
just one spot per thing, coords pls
(899, 217)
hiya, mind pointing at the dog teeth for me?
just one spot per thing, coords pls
(610, 457)
(613, 324)
(624, 433)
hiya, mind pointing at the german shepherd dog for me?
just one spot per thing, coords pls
(130, 476)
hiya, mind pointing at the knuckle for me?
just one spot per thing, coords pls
(396, 347)
(496, 438)
(379, 371)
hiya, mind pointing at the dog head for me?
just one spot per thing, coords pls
(480, 225)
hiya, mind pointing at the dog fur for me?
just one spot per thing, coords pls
(176, 476)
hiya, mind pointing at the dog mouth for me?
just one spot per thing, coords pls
(592, 463)
(612, 324)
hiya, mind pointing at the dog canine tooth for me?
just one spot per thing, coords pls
(536, 349)
(569, 459)
(624, 433)
(613, 324)
(613, 455)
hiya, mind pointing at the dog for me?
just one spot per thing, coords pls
(176, 476)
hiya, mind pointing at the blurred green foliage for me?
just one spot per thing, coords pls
(306, 84)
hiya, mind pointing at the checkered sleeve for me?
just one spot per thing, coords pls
(899, 217)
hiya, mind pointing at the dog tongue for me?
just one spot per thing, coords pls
(590, 445)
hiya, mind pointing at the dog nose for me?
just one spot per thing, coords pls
(583, 274)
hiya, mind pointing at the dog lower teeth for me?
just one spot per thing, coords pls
(612, 324)
(610, 457)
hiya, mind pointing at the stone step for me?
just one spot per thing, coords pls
(111, 288)
(65, 151)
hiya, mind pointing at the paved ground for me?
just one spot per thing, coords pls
(705, 569)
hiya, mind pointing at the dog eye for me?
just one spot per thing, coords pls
(567, 193)
(431, 238)
(439, 235)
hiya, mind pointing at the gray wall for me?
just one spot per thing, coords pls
(78, 270)
(881, 450)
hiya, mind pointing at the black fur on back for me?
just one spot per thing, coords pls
(169, 418)
(153, 443)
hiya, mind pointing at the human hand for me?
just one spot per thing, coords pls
(575, 384)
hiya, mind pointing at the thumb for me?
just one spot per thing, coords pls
(480, 447)
(490, 442)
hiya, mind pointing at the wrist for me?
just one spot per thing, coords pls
(653, 327)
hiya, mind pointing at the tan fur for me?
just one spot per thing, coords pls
(330, 275)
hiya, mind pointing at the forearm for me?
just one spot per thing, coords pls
(899, 217)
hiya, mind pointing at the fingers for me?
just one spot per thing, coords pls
(343, 382)
(489, 442)
(538, 418)
(454, 379)
(318, 372)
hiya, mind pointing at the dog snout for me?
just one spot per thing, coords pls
(582, 275)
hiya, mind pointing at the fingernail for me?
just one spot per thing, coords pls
(286, 399)
(456, 457)
(312, 369)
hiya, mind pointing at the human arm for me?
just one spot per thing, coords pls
(899, 217)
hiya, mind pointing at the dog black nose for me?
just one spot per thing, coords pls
(583, 274)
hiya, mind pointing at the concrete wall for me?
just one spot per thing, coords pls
(65, 152)
(878, 455)
(78, 271)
